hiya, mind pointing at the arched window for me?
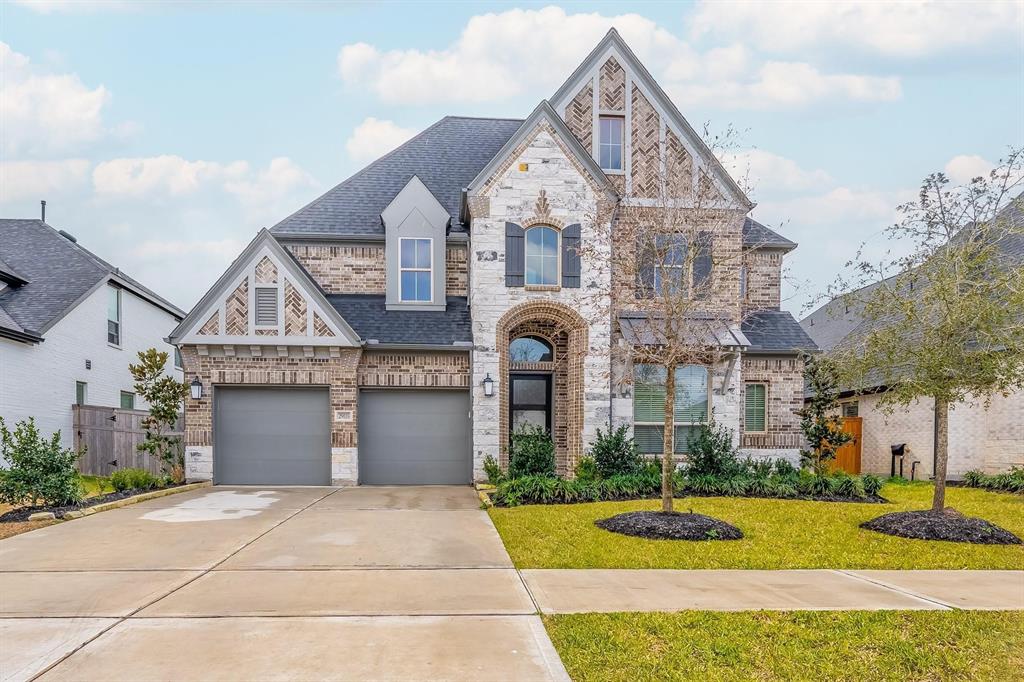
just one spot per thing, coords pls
(541, 256)
(530, 349)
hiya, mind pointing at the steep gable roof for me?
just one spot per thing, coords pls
(57, 274)
(613, 42)
(756, 235)
(542, 113)
(445, 157)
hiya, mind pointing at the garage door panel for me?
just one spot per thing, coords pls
(269, 436)
(414, 437)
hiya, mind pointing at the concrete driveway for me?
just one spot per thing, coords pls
(272, 584)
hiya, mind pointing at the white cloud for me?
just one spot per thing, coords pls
(839, 205)
(41, 179)
(502, 55)
(907, 29)
(965, 167)
(766, 171)
(46, 114)
(165, 175)
(373, 138)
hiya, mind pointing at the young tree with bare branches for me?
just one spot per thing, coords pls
(946, 320)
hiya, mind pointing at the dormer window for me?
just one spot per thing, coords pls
(611, 142)
(416, 270)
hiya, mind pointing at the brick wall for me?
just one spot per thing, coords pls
(360, 269)
(785, 395)
(414, 369)
(764, 279)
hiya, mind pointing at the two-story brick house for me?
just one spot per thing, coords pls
(399, 327)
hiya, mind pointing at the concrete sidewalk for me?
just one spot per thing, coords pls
(608, 590)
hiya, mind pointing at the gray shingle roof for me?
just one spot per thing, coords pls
(757, 235)
(446, 157)
(775, 331)
(59, 273)
(367, 315)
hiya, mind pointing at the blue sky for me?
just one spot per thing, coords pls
(165, 134)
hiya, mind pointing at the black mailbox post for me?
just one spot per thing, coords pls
(898, 450)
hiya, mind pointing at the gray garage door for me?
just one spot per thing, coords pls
(414, 437)
(271, 436)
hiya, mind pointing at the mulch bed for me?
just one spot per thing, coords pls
(949, 525)
(22, 513)
(655, 525)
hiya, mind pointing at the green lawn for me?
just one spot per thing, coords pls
(779, 534)
(801, 645)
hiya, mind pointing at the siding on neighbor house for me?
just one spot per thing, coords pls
(39, 380)
(990, 439)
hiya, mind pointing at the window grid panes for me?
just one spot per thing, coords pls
(114, 316)
(541, 256)
(755, 408)
(610, 146)
(81, 392)
(670, 264)
(415, 266)
(691, 406)
(851, 409)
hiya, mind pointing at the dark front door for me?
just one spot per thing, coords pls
(529, 401)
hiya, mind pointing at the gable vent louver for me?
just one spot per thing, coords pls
(266, 307)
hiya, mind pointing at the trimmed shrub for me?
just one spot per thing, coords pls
(712, 453)
(532, 453)
(586, 470)
(133, 479)
(40, 471)
(493, 470)
(615, 453)
(1011, 481)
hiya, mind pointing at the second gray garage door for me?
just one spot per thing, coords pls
(271, 436)
(414, 437)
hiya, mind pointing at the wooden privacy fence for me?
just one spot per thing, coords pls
(111, 437)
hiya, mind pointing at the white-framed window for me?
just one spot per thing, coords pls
(81, 393)
(690, 410)
(127, 400)
(755, 408)
(542, 256)
(670, 267)
(266, 306)
(177, 359)
(417, 269)
(610, 142)
(114, 316)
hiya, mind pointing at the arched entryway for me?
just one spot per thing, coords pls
(542, 345)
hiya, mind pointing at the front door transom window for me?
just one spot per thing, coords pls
(541, 256)
(530, 349)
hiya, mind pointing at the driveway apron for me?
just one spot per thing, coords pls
(272, 584)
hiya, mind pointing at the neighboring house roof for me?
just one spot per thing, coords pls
(57, 274)
(446, 157)
(756, 235)
(776, 331)
(376, 325)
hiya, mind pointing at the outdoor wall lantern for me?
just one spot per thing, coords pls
(197, 388)
(488, 385)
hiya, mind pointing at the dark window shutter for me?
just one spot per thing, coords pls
(571, 256)
(702, 265)
(515, 255)
(644, 269)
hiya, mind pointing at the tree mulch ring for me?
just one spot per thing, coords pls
(948, 524)
(656, 525)
(22, 513)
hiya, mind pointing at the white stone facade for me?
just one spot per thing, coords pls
(513, 198)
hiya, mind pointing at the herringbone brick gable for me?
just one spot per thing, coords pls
(646, 127)
(579, 115)
(320, 327)
(266, 272)
(212, 326)
(613, 86)
(236, 311)
(294, 311)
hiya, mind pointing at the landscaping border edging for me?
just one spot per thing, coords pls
(135, 499)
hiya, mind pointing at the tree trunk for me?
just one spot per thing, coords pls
(668, 438)
(941, 452)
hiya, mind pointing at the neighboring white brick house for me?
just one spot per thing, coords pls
(55, 335)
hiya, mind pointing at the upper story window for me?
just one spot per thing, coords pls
(670, 267)
(114, 316)
(611, 142)
(178, 364)
(743, 282)
(530, 349)
(541, 256)
(416, 266)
